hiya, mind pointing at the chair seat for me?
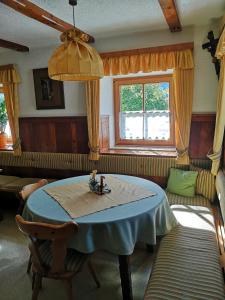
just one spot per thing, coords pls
(73, 262)
(196, 200)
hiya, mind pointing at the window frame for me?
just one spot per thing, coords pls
(117, 82)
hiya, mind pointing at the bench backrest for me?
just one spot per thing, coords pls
(220, 189)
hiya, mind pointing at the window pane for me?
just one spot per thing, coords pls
(131, 97)
(131, 125)
(157, 125)
(4, 123)
(157, 117)
(156, 96)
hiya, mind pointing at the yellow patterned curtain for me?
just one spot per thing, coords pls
(183, 95)
(9, 77)
(220, 111)
(182, 63)
(93, 117)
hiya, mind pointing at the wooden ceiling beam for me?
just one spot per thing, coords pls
(35, 12)
(171, 15)
(13, 46)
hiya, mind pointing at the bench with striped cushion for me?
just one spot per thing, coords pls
(187, 264)
(196, 200)
(15, 184)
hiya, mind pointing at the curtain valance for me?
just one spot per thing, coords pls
(148, 62)
(8, 74)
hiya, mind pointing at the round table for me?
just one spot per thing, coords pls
(115, 229)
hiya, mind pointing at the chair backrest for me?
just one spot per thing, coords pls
(28, 189)
(57, 234)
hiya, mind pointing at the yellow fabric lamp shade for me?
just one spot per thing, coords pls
(75, 60)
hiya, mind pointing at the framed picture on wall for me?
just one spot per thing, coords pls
(49, 93)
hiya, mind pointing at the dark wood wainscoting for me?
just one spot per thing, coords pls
(201, 136)
(70, 134)
(104, 133)
(58, 134)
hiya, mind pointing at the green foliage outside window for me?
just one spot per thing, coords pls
(156, 97)
(3, 114)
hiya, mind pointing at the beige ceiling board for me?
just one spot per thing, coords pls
(13, 46)
(105, 19)
(171, 15)
(33, 11)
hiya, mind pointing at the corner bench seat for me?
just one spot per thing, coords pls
(197, 200)
(15, 184)
(187, 263)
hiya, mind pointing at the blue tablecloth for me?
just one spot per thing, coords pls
(115, 229)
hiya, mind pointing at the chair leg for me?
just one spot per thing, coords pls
(29, 265)
(33, 280)
(37, 283)
(93, 273)
(69, 288)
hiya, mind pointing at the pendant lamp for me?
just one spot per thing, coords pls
(75, 60)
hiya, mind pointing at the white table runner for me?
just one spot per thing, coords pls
(78, 201)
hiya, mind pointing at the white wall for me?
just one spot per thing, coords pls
(106, 106)
(205, 77)
(205, 84)
(73, 91)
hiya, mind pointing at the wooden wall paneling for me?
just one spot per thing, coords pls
(63, 137)
(82, 135)
(25, 130)
(104, 133)
(73, 129)
(54, 134)
(201, 135)
(70, 134)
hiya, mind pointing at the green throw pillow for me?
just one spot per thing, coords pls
(182, 182)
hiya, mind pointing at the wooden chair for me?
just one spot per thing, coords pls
(52, 259)
(24, 194)
(27, 190)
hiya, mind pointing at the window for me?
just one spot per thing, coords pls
(4, 126)
(143, 111)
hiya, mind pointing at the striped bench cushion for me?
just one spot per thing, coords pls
(5, 179)
(187, 264)
(205, 184)
(197, 200)
(73, 262)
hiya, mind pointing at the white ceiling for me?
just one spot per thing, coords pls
(103, 18)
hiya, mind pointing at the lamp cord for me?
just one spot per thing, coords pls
(73, 18)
